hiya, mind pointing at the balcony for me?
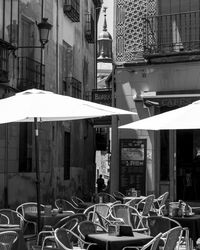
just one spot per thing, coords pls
(172, 34)
(72, 87)
(71, 8)
(89, 28)
(4, 56)
(29, 74)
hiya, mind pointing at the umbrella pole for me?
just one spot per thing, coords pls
(37, 170)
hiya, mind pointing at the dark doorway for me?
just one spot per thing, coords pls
(185, 168)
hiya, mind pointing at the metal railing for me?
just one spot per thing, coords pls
(30, 74)
(4, 55)
(72, 9)
(89, 28)
(172, 33)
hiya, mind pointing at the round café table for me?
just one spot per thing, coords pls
(112, 242)
(20, 243)
(192, 223)
(48, 219)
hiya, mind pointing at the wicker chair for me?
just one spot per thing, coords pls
(77, 202)
(30, 227)
(151, 245)
(89, 227)
(105, 197)
(146, 205)
(66, 239)
(162, 224)
(129, 216)
(118, 196)
(4, 219)
(13, 216)
(67, 206)
(7, 239)
(46, 238)
(160, 201)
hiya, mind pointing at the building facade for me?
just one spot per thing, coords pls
(66, 65)
(156, 59)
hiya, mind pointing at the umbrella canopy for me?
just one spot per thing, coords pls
(36, 105)
(187, 117)
(48, 106)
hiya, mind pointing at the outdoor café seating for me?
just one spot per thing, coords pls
(66, 205)
(4, 219)
(77, 202)
(103, 197)
(7, 239)
(67, 239)
(110, 241)
(145, 205)
(89, 227)
(118, 196)
(13, 217)
(170, 242)
(129, 216)
(153, 244)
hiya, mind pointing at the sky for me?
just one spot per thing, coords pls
(109, 17)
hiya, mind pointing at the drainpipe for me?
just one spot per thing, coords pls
(114, 171)
(6, 168)
(57, 50)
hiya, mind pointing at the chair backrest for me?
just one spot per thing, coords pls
(13, 216)
(105, 197)
(153, 244)
(147, 204)
(160, 224)
(162, 199)
(118, 195)
(71, 224)
(28, 207)
(128, 214)
(67, 206)
(62, 239)
(4, 219)
(172, 238)
(7, 238)
(86, 227)
(89, 227)
(79, 216)
(101, 208)
(78, 202)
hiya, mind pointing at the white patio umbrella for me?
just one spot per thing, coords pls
(187, 117)
(36, 105)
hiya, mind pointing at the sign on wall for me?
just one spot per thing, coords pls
(133, 165)
(102, 96)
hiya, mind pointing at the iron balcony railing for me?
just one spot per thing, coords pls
(172, 33)
(89, 28)
(31, 74)
(72, 9)
(4, 53)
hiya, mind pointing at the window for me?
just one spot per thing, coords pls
(67, 155)
(8, 20)
(67, 63)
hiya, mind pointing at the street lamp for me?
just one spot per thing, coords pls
(44, 27)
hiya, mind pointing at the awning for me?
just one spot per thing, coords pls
(168, 100)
